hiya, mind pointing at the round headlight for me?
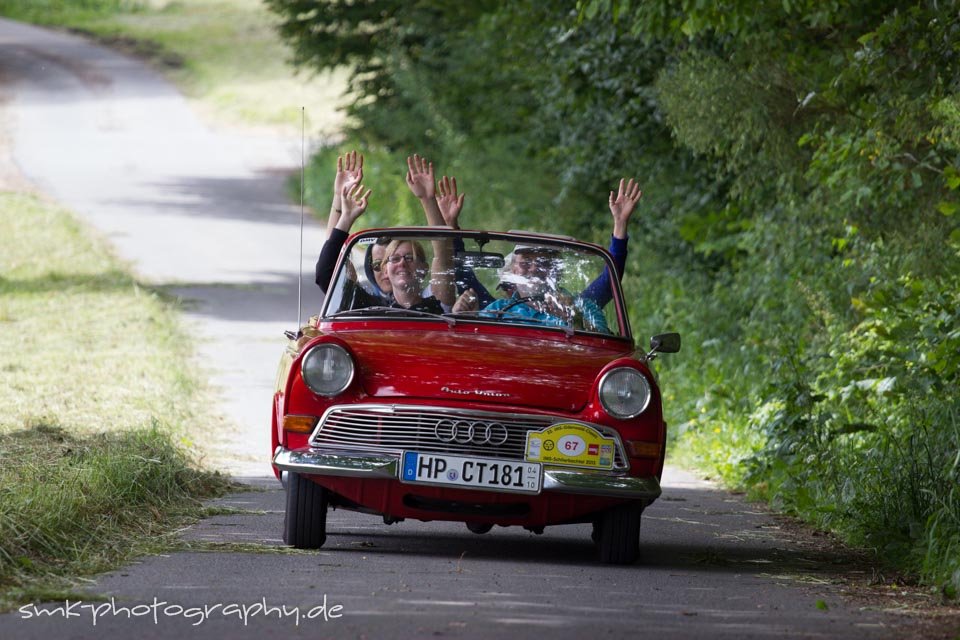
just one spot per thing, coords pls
(624, 393)
(327, 369)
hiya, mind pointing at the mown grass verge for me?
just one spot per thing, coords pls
(97, 401)
(77, 505)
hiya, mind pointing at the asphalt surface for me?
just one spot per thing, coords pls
(712, 567)
(203, 213)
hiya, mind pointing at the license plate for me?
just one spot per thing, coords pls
(480, 473)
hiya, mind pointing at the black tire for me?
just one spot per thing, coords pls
(617, 534)
(479, 528)
(305, 521)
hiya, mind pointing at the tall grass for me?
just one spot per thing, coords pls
(97, 404)
(73, 504)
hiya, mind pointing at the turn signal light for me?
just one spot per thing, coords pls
(300, 424)
(640, 449)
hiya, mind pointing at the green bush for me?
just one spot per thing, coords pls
(72, 504)
(799, 227)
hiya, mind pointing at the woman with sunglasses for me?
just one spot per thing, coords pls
(420, 180)
(405, 263)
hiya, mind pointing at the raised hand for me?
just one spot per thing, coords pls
(623, 204)
(349, 170)
(466, 302)
(354, 202)
(420, 177)
(448, 201)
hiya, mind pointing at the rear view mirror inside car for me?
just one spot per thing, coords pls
(480, 259)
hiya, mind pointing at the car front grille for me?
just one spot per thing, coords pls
(397, 428)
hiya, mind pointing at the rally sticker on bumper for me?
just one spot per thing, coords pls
(570, 444)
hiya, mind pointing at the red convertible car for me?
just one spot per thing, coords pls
(482, 377)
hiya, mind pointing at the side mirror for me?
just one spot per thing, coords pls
(665, 343)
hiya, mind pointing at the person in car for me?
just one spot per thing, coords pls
(532, 277)
(420, 180)
(622, 205)
(405, 263)
(442, 206)
(349, 175)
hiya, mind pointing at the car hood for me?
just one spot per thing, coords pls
(443, 365)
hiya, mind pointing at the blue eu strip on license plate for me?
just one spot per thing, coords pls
(480, 473)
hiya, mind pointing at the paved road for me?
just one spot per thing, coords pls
(204, 213)
(712, 567)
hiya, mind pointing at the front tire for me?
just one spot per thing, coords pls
(305, 521)
(617, 534)
(479, 528)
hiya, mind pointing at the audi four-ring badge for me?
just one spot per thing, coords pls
(466, 431)
(534, 407)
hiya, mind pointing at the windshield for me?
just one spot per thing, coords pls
(477, 277)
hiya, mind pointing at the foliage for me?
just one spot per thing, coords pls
(799, 227)
(93, 465)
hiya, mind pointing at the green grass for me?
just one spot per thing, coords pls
(79, 505)
(82, 342)
(226, 54)
(96, 396)
(97, 399)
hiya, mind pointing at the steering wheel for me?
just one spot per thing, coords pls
(537, 298)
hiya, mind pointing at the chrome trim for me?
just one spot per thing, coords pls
(448, 431)
(321, 463)
(394, 428)
(595, 484)
(330, 345)
(603, 381)
(475, 392)
(367, 465)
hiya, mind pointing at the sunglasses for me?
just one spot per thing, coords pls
(376, 264)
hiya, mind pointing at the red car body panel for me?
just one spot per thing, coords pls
(428, 363)
(440, 363)
(472, 368)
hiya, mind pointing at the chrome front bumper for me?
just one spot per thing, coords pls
(385, 466)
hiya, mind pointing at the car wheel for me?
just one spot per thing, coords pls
(479, 528)
(305, 522)
(617, 534)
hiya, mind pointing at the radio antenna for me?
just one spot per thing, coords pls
(303, 126)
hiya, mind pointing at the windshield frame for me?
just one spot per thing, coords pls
(563, 243)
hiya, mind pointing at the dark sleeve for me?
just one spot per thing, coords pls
(431, 305)
(599, 290)
(355, 297)
(467, 279)
(618, 249)
(328, 258)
